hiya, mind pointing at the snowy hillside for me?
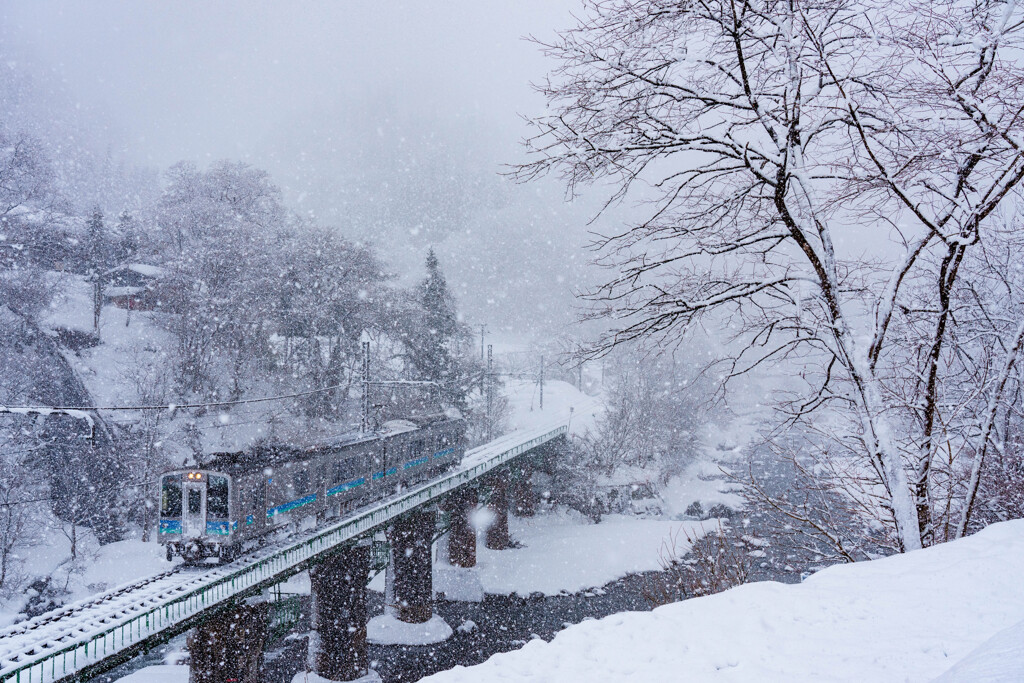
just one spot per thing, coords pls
(904, 618)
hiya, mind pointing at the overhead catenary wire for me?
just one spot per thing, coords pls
(169, 406)
(214, 404)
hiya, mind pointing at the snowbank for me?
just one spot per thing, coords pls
(386, 629)
(565, 552)
(123, 562)
(909, 617)
(1000, 658)
(309, 677)
(458, 583)
(701, 482)
(162, 673)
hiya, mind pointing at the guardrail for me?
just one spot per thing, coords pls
(44, 666)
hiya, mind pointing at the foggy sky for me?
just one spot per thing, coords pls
(390, 120)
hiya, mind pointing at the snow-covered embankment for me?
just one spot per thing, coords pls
(905, 618)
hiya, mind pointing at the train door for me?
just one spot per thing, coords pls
(260, 516)
(194, 519)
(378, 465)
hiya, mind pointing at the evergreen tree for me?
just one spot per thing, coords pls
(96, 243)
(432, 344)
(127, 238)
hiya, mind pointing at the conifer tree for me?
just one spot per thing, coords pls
(433, 355)
(128, 238)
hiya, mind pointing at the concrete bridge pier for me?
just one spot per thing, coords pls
(497, 537)
(460, 505)
(337, 646)
(411, 537)
(229, 645)
(523, 503)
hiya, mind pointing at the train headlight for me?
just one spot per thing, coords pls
(195, 476)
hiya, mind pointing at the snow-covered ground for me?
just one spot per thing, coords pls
(386, 629)
(561, 400)
(98, 568)
(904, 618)
(705, 480)
(161, 673)
(564, 552)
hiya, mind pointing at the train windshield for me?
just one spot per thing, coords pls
(217, 498)
(170, 497)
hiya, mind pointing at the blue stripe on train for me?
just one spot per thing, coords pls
(347, 486)
(414, 463)
(170, 526)
(217, 528)
(291, 505)
(444, 453)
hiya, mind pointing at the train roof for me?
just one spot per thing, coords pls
(267, 455)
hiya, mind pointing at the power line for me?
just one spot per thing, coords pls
(73, 410)
(99, 491)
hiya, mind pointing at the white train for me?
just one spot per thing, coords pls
(236, 500)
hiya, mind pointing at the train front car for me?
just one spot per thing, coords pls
(195, 515)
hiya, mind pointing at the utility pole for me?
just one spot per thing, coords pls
(365, 426)
(490, 391)
(483, 327)
(97, 301)
(542, 382)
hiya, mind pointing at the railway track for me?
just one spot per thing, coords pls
(66, 625)
(23, 627)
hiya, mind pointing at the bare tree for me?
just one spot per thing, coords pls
(27, 179)
(767, 137)
(21, 504)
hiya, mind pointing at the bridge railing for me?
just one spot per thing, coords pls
(43, 665)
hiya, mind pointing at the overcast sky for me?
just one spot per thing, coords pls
(194, 79)
(390, 120)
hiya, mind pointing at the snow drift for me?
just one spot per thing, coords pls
(905, 618)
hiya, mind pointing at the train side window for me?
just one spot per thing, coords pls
(170, 497)
(217, 498)
(300, 480)
(346, 469)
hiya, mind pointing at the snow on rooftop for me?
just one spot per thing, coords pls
(147, 269)
(905, 618)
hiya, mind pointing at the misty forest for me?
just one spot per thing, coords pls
(584, 340)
